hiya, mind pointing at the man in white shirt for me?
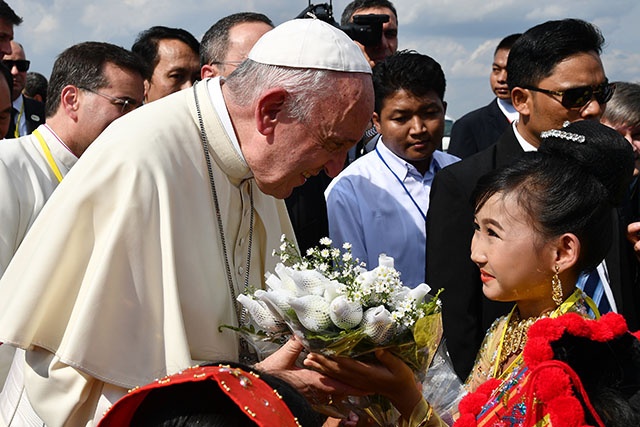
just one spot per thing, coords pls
(379, 202)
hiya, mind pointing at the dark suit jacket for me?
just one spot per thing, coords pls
(308, 211)
(467, 313)
(477, 130)
(33, 114)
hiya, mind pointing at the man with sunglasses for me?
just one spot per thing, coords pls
(555, 75)
(27, 114)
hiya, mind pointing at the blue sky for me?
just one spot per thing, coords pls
(460, 34)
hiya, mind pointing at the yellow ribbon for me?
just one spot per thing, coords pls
(49, 157)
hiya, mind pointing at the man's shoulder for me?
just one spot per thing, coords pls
(444, 159)
(472, 167)
(31, 107)
(476, 114)
(15, 150)
(360, 169)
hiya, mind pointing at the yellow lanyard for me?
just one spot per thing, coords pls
(16, 132)
(47, 154)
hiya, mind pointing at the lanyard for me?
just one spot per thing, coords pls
(47, 154)
(403, 186)
(16, 131)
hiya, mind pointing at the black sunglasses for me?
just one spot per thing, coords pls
(21, 64)
(578, 97)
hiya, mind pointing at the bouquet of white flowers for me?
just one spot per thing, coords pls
(338, 308)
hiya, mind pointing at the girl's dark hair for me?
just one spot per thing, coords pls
(203, 404)
(569, 186)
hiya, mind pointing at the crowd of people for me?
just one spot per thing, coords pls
(143, 190)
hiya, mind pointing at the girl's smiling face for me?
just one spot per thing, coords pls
(515, 263)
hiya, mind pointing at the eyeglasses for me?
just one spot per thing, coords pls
(21, 64)
(126, 104)
(578, 97)
(234, 63)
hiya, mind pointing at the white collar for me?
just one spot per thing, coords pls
(215, 92)
(526, 146)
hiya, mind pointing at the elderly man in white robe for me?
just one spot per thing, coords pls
(138, 256)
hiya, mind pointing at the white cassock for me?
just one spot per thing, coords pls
(26, 182)
(27, 179)
(122, 279)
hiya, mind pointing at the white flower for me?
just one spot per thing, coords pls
(283, 247)
(283, 238)
(346, 245)
(310, 251)
(347, 256)
(324, 253)
(325, 241)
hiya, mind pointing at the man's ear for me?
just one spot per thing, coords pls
(70, 101)
(209, 71)
(147, 85)
(520, 99)
(269, 109)
(376, 121)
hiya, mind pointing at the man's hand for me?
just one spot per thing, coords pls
(318, 388)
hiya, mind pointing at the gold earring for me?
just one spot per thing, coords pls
(556, 287)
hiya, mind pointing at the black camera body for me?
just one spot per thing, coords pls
(365, 29)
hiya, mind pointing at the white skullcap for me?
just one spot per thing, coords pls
(309, 43)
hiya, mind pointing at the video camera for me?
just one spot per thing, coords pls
(365, 29)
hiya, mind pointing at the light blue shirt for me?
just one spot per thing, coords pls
(369, 208)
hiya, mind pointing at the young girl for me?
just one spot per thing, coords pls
(540, 223)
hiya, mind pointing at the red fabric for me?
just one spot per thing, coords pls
(254, 396)
(549, 384)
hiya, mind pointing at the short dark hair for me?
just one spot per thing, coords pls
(36, 84)
(357, 5)
(82, 65)
(623, 109)
(215, 41)
(569, 186)
(408, 70)
(536, 53)
(507, 42)
(8, 14)
(146, 44)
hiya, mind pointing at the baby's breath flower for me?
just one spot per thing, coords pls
(346, 246)
(283, 238)
(324, 253)
(310, 251)
(325, 241)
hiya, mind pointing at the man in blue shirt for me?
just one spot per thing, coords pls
(379, 202)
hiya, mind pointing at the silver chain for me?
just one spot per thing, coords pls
(241, 313)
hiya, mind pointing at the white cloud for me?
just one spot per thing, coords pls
(460, 34)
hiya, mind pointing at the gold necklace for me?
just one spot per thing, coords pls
(515, 337)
